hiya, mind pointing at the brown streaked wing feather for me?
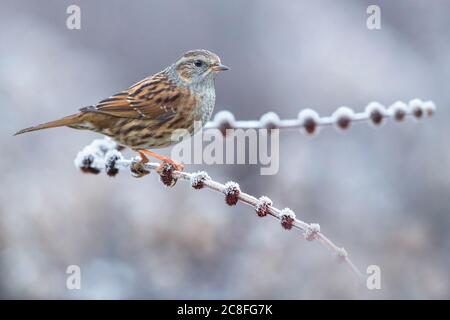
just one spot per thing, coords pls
(154, 98)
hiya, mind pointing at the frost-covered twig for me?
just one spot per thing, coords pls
(309, 120)
(102, 154)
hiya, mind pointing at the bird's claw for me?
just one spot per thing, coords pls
(138, 169)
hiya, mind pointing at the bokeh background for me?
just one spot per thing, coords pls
(383, 194)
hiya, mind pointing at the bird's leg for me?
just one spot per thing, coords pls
(144, 153)
(144, 158)
(137, 167)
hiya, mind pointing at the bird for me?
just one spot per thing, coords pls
(145, 115)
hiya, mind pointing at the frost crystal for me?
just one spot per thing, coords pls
(287, 217)
(262, 206)
(198, 179)
(309, 120)
(312, 231)
(376, 112)
(342, 117)
(398, 110)
(270, 120)
(231, 192)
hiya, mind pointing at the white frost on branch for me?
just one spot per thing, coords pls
(309, 120)
(102, 155)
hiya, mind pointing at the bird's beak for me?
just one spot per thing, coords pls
(220, 67)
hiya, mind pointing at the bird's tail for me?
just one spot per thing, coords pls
(71, 120)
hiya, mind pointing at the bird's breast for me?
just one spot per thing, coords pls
(205, 107)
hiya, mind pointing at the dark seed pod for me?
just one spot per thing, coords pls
(269, 121)
(416, 106)
(198, 179)
(341, 255)
(231, 192)
(87, 165)
(287, 218)
(398, 110)
(224, 121)
(376, 113)
(312, 231)
(262, 206)
(429, 108)
(110, 162)
(343, 118)
(309, 121)
(166, 174)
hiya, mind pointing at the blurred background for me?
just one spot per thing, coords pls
(383, 194)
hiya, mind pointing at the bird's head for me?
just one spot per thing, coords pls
(198, 65)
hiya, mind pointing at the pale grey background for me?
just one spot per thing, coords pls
(382, 194)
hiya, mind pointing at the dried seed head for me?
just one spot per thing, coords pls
(87, 165)
(309, 121)
(166, 174)
(89, 160)
(416, 107)
(198, 179)
(398, 110)
(312, 231)
(111, 158)
(343, 117)
(287, 218)
(224, 120)
(341, 254)
(269, 120)
(232, 192)
(376, 113)
(262, 206)
(429, 108)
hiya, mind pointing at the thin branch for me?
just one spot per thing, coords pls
(102, 155)
(309, 121)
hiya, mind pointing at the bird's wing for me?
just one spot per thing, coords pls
(154, 98)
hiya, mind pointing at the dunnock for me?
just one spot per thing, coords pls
(146, 114)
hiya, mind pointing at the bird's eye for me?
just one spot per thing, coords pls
(198, 63)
